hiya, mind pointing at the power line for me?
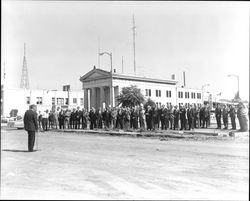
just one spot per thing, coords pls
(134, 27)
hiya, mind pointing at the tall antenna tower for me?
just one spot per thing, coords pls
(4, 72)
(134, 27)
(24, 78)
(122, 64)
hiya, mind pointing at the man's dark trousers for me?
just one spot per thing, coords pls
(31, 140)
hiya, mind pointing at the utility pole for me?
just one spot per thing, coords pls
(4, 73)
(184, 79)
(98, 52)
(134, 27)
(122, 64)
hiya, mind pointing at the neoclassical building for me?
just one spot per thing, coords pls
(101, 87)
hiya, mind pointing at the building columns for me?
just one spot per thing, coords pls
(102, 98)
(86, 98)
(93, 97)
(112, 95)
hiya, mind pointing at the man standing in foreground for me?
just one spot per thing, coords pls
(31, 126)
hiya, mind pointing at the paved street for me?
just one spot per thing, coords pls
(92, 166)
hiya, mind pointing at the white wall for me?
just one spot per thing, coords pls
(15, 98)
(163, 87)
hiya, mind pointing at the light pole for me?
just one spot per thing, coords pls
(237, 76)
(203, 92)
(110, 55)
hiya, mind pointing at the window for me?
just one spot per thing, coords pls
(168, 103)
(158, 104)
(81, 101)
(158, 93)
(168, 94)
(66, 101)
(74, 100)
(60, 101)
(27, 100)
(39, 100)
(180, 94)
(192, 95)
(186, 94)
(148, 92)
(198, 95)
(53, 101)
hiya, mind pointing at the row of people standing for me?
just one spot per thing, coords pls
(224, 111)
(177, 117)
(138, 117)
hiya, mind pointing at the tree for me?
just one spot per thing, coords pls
(130, 96)
(149, 102)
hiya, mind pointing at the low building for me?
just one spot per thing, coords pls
(20, 99)
(101, 87)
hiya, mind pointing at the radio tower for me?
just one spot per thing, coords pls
(134, 42)
(24, 78)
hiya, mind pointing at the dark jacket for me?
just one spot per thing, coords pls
(190, 113)
(30, 121)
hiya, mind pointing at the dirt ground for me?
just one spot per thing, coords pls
(86, 166)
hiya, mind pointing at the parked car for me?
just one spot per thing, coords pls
(16, 122)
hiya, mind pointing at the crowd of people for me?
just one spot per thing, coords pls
(148, 118)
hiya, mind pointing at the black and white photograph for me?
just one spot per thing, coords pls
(125, 100)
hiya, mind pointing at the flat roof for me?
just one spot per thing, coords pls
(143, 79)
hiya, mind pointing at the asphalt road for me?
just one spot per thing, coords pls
(84, 166)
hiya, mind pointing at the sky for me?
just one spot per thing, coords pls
(207, 40)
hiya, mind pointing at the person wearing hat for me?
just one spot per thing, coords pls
(45, 117)
(232, 114)
(218, 113)
(31, 125)
(225, 113)
(242, 116)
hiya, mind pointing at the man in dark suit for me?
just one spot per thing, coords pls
(31, 125)
(232, 114)
(183, 117)
(218, 114)
(77, 118)
(176, 114)
(225, 113)
(191, 117)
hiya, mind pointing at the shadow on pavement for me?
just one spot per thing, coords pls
(14, 150)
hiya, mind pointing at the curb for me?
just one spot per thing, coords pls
(174, 134)
(238, 134)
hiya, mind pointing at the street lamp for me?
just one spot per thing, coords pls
(203, 90)
(237, 76)
(110, 55)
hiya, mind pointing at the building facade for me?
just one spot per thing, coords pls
(20, 99)
(101, 87)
